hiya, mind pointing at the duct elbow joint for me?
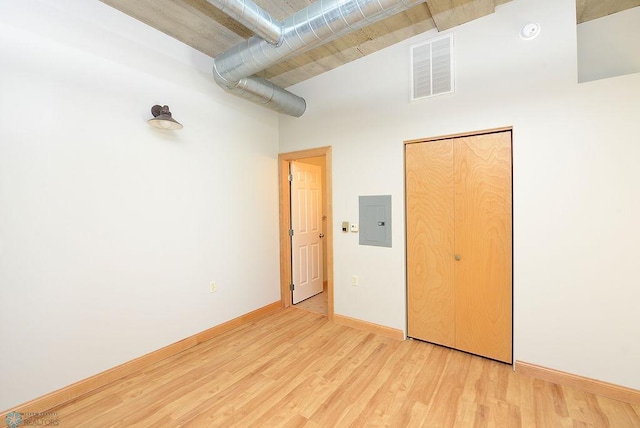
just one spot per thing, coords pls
(264, 93)
(221, 81)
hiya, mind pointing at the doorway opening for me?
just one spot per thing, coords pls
(320, 157)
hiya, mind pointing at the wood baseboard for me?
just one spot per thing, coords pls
(75, 390)
(368, 326)
(586, 384)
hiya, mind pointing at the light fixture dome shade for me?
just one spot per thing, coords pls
(530, 31)
(162, 118)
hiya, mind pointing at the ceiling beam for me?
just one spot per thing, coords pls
(196, 23)
(586, 10)
(451, 13)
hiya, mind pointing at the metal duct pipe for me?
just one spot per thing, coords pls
(317, 24)
(265, 93)
(253, 17)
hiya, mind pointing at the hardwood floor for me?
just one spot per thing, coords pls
(295, 368)
(317, 303)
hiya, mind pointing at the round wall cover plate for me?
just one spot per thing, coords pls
(530, 31)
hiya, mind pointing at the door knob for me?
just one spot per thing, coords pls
(322, 235)
(457, 257)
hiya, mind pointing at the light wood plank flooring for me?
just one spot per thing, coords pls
(295, 368)
(317, 303)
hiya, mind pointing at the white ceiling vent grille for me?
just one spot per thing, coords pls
(432, 68)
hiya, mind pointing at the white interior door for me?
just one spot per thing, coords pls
(306, 223)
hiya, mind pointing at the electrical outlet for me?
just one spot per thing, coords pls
(354, 280)
(212, 287)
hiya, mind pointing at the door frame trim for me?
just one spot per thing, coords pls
(285, 210)
(463, 134)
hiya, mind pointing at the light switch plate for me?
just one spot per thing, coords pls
(354, 227)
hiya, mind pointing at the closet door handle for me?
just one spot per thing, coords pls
(457, 257)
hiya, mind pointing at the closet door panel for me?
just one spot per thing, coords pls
(483, 245)
(430, 241)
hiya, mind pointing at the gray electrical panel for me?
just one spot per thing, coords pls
(375, 220)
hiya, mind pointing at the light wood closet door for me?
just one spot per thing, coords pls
(483, 291)
(459, 236)
(430, 243)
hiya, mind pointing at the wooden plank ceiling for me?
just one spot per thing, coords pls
(586, 10)
(202, 26)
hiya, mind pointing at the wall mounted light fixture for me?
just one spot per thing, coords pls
(162, 118)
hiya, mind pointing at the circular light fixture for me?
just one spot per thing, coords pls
(530, 31)
(162, 118)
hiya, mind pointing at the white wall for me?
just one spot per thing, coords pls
(110, 230)
(576, 180)
(608, 46)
